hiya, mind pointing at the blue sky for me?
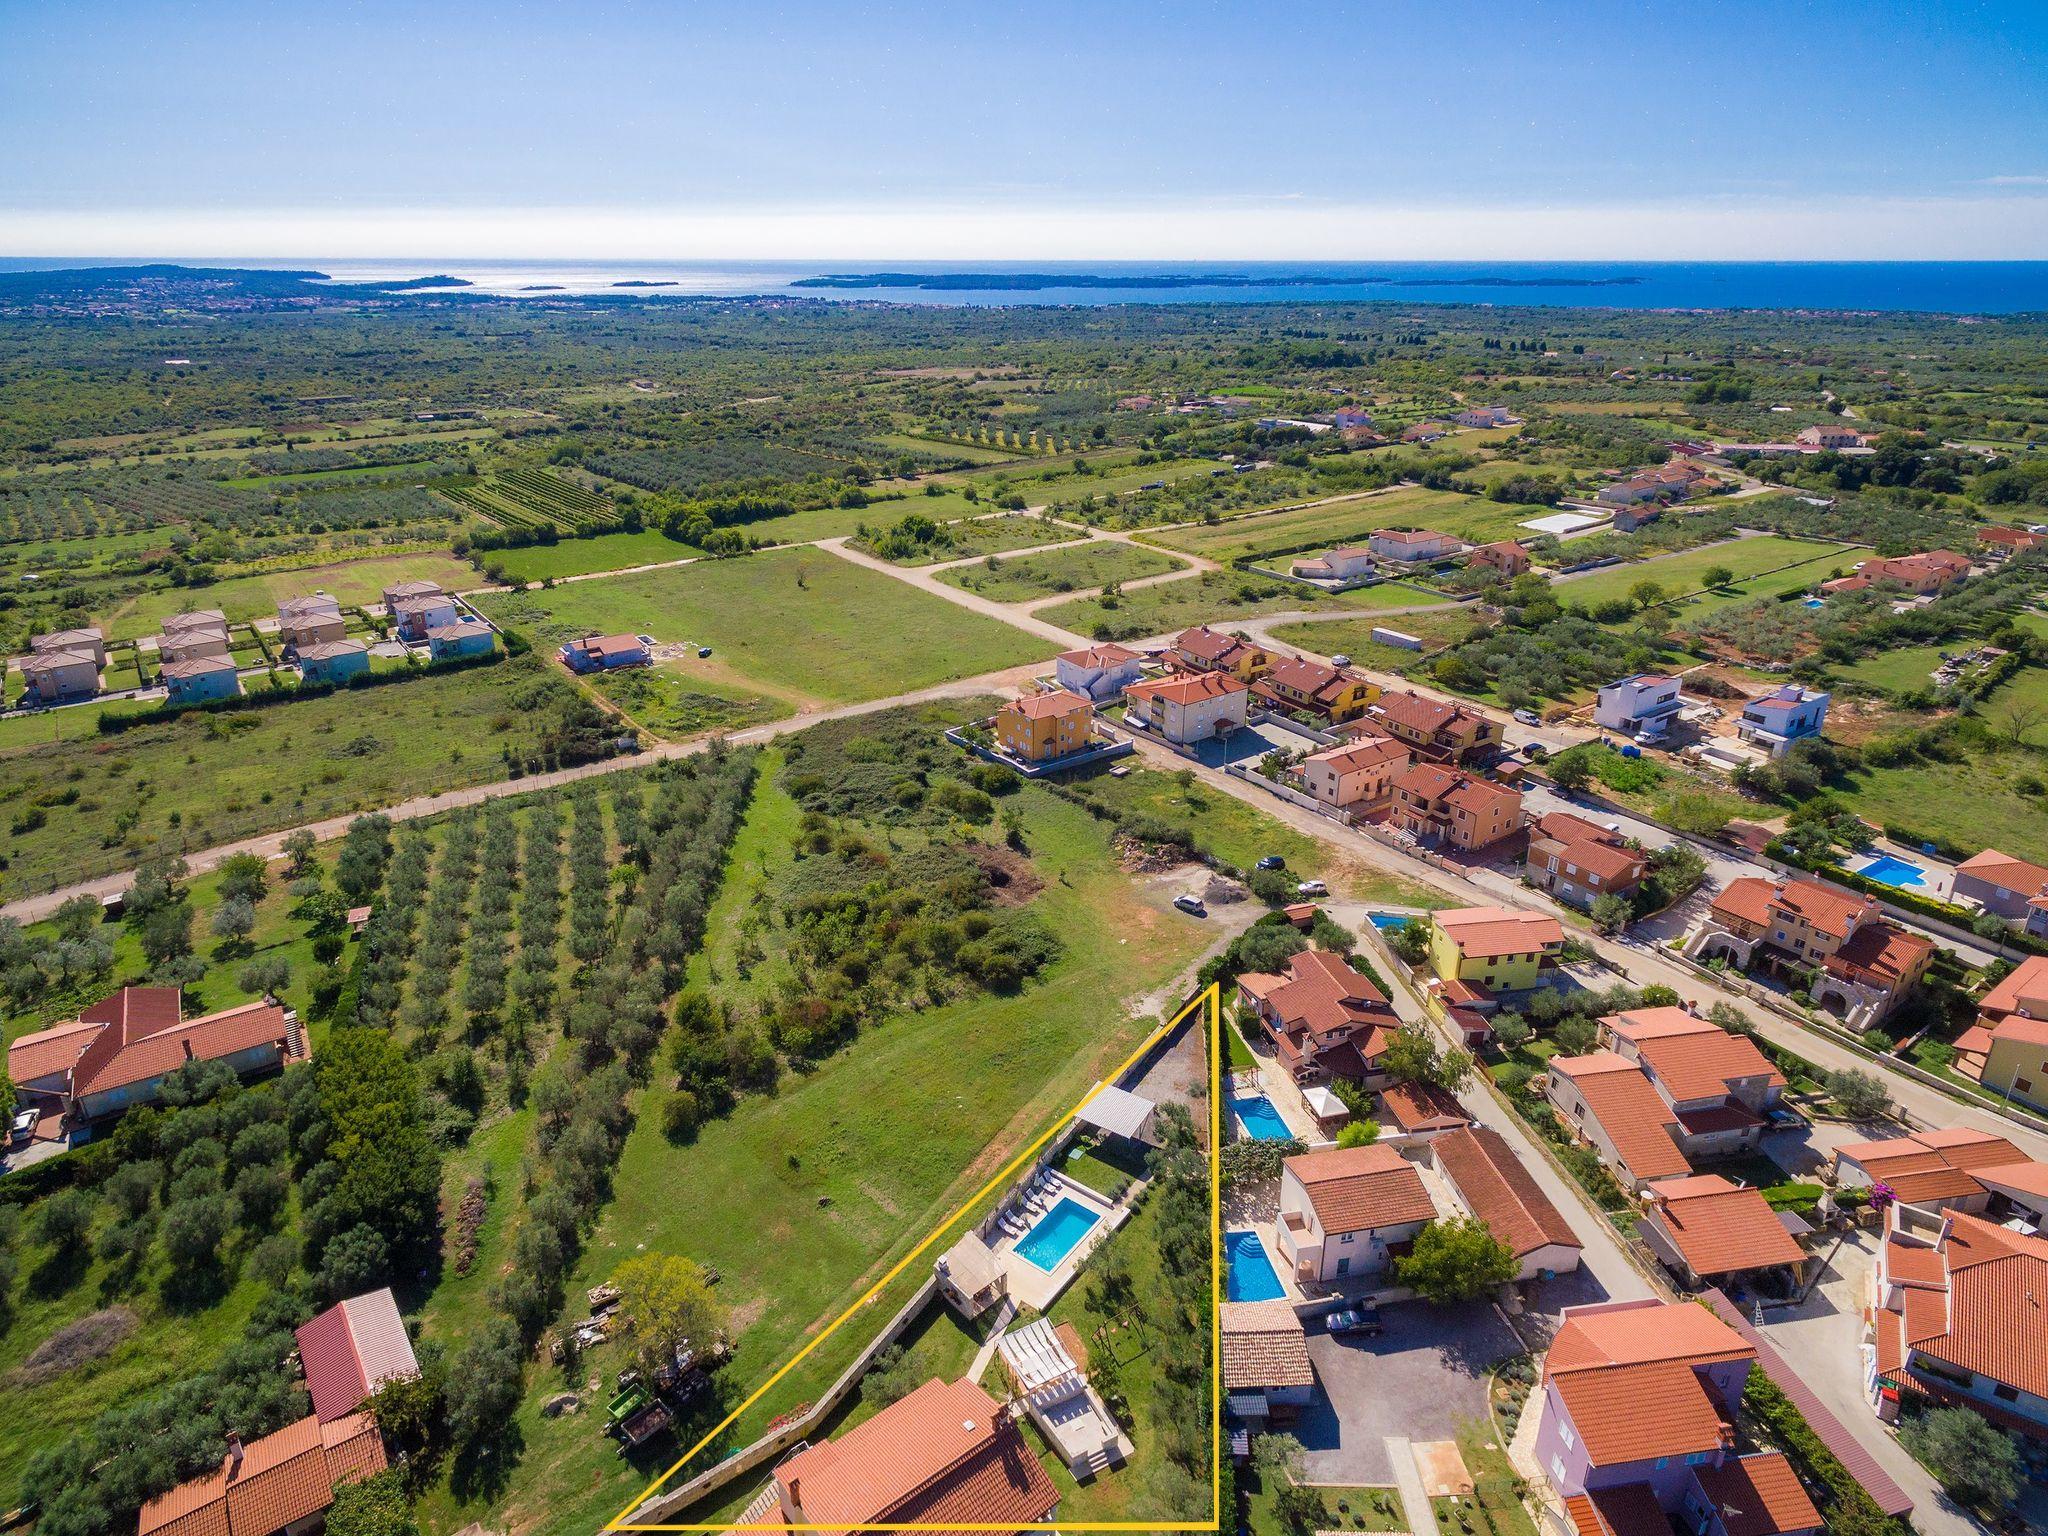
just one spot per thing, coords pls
(1376, 128)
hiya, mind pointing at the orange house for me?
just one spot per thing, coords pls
(1042, 726)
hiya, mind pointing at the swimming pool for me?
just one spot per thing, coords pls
(1261, 1120)
(1055, 1234)
(1250, 1275)
(1387, 922)
(1887, 870)
(1815, 602)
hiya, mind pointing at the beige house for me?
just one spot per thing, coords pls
(86, 638)
(53, 677)
(313, 620)
(1357, 775)
(1189, 708)
(1350, 1212)
(191, 636)
(2007, 1048)
(398, 592)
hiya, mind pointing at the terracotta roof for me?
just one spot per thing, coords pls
(1481, 797)
(1365, 752)
(608, 645)
(1719, 1228)
(49, 1051)
(1636, 1412)
(1422, 1106)
(2024, 990)
(1500, 1191)
(1932, 1165)
(1693, 1058)
(1264, 1345)
(1428, 781)
(1481, 933)
(1414, 711)
(422, 602)
(1758, 1496)
(1996, 1319)
(1206, 644)
(352, 1349)
(1323, 993)
(204, 618)
(39, 663)
(1886, 953)
(462, 626)
(134, 1052)
(1106, 654)
(328, 650)
(1747, 898)
(418, 587)
(311, 604)
(2005, 872)
(198, 666)
(1048, 705)
(937, 1456)
(1188, 689)
(283, 1478)
(1629, 1510)
(2028, 1178)
(1824, 908)
(1355, 1188)
(1616, 864)
(1302, 675)
(1628, 1110)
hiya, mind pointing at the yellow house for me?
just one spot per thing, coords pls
(1042, 726)
(1493, 947)
(2007, 1049)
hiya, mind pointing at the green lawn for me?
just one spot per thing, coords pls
(968, 535)
(803, 626)
(1682, 573)
(207, 779)
(1972, 804)
(2024, 697)
(1349, 521)
(1061, 570)
(1901, 671)
(668, 701)
(1350, 1509)
(802, 1198)
(352, 582)
(576, 557)
(1221, 598)
(1242, 834)
(1353, 637)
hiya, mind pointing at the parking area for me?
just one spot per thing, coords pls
(1418, 1380)
(1249, 743)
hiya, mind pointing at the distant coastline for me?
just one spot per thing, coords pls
(1036, 281)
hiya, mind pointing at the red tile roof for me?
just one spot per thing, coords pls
(1693, 1058)
(1627, 1110)
(1482, 933)
(1422, 1107)
(2024, 990)
(1629, 1510)
(1500, 1191)
(120, 1059)
(1189, 689)
(1628, 1376)
(1824, 908)
(1931, 1165)
(1325, 995)
(283, 1478)
(1882, 953)
(1721, 1228)
(352, 1349)
(1758, 1496)
(1048, 705)
(50, 1051)
(940, 1456)
(1995, 1322)
(1104, 654)
(2005, 872)
(1746, 899)
(1353, 1189)
(1264, 1345)
(1366, 752)
(1206, 644)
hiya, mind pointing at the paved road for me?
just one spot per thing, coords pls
(922, 578)
(270, 845)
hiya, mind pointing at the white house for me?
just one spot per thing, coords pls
(1783, 716)
(1349, 1212)
(1098, 672)
(1642, 706)
(1189, 708)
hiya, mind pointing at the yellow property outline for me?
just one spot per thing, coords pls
(1211, 996)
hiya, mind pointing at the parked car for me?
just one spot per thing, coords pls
(1311, 888)
(1192, 905)
(1528, 717)
(1363, 1320)
(703, 651)
(1272, 861)
(1340, 660)
(22, 1126)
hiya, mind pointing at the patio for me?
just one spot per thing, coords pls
(1051, 1254)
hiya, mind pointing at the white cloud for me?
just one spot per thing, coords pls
(2014, 181)
(1841, 228)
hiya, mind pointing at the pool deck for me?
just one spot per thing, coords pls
(1938, 878)
(1030, 1286)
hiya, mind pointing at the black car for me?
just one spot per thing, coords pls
(1272, 861)
(1360, 1320)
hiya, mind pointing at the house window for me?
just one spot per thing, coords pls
(1662, 1462)
(2006, 1394)
(2023, 1085)
(1564, 1433)
(1348, 1237)
(1696, 1459)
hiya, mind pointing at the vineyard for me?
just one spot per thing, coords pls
(535, 501)
(737, 462)
(71, 509)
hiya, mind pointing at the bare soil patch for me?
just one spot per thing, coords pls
(77, 1344)
(1012, 879)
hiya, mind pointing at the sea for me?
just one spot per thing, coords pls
(1946, 287)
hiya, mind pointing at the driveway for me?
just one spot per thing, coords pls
(1419, 1380)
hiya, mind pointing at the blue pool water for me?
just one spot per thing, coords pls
(1386, 922)
(1887, 870)
(1262, 1121)
(1816, 602)
(1056, 1233)
(1250, 1273)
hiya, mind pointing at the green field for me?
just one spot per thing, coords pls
(2026, 694)
(353, 583)
(1353, 637)
(1060, 570)
(1902, 671)
(208, 779)
(1214, 597)
(968, 535)
(577, 557)
(1682, 573)
(1349, 521)
(668, 701)
(800, 1199)
(804, 626)
(1973, 804)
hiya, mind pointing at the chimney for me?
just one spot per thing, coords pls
(234, 1455)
